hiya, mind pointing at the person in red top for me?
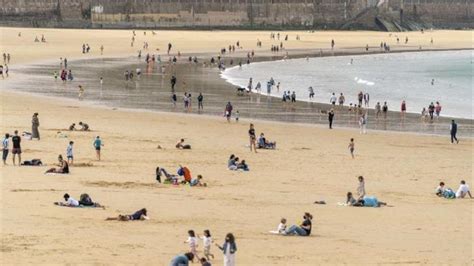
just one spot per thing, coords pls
(403, 109)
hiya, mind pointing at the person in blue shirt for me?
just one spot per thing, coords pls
(97, 145)
(182, 260)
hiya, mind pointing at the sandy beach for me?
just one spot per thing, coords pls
(310, 163)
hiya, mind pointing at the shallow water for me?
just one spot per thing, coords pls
(386, 77)
(152, 91)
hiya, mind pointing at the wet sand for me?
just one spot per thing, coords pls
(311, 163)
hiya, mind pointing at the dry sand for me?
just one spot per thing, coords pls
(311, 163)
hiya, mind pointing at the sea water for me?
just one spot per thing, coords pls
(419, 78)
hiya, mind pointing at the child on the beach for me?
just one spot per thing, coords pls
(207, 241)
(192, 241)
(69, 154)
(351, 147)
(281, 227)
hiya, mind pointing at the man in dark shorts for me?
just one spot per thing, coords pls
(16, 147)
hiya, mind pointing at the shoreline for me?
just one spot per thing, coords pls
(412, 119)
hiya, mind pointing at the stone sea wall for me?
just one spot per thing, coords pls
(249, 14)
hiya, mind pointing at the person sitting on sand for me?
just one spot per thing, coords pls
(185, 173)
(72, 127)
(304, 229)
(84, 126)
(281, 227)
(182, 260)
(442, 191)
(366, 201)
(463, 190)
(63, 167)
(139, 215)
(70, 201)
(243, 166)
(232, 163)
(264, 144)
(181, 145)
(197, 182)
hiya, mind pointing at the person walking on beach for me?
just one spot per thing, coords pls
(200, 98)
(366, 99)
(385, 110)
(332, 44)
(169, 47)
(333, 99)
(16, 150)
(228, 111)
(229, 248)
(174, 99)
(81, 93)
(360, 97)
(331, 117)
(253, 138)
(173, 82)
(377, 110)
(363, 124)
(69, 153)
(34, 127)
(341, 100)
(453, 131)
(5, 145)
(311, 92)
(351, 147)
(97, 145)
(101, 49)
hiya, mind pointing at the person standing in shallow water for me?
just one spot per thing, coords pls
(34, 127)
(330, 118)
(200, 98)
(453, 131)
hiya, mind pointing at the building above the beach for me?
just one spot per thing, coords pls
(385, 15)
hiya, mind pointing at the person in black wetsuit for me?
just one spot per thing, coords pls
(330, 118)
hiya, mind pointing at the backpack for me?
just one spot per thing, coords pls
(85, 199)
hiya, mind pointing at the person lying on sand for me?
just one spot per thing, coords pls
(70, 201)
(442, 191)
(263, 143)
(138, 215)
(84, 200)
(62, 169)
(197, 182)
(181, 145)
(366, 201)
(168, 177)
